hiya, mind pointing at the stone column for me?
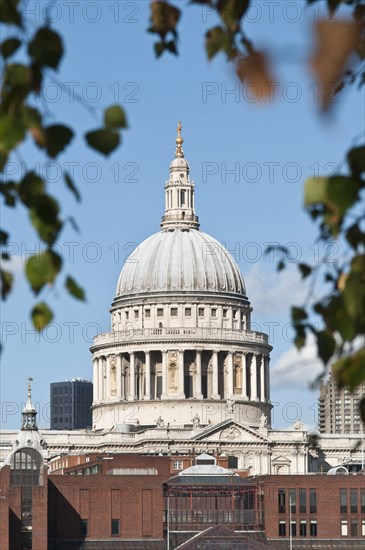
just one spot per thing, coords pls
(198, 376)
(181, 375)
(132, 377)
(101, 379)
(147, 394)
(164, 375)
(244, 377)
(215, 394)
(119, 375)
(254, 378)
(107, 384)
(262, 378)
(95, 380)
(229, 374)
(267, 377)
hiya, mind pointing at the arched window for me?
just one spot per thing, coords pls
(26, 468)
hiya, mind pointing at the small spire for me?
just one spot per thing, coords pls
(29, 412)
(179, 152)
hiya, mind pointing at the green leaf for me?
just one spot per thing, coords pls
(232, 11)
(9, 13)
(42, 269)
(164, 18)
(30, 187)
(57, 138)
(71, 186)
(315, 191)
(305, 270)
(44, 217)
(104, 140)
(216, 40)
(349, 371)
(6, 283)
(298, 314)
(356, 160)
(12, 132)
(355, 236)
(74, 289)
(354, 297)
(3, 237)
(159, 48)
(9, 46)
(41, 316)
(114, 117)
(326, 345)
(171, 47)
(46, 48)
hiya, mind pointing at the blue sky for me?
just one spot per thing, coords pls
(249, 161)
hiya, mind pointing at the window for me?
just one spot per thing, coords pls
(282, 529)
(281, 501)
(136, 313)
(177, 465)
(174, 312)
(293, 500)
(84, 527)
(362, 496)
(344, 531)
(147, 312)
(302, 501)
(303, 529)
(313, 528)
(127, 314)
(343, 501)
(214, 312)
(363, 527)
(353, 528)
(353, 501)
(159, 312)
(201, 312)
(293, 528)
(225, 313)
(313, 501)
(188, 312)
(115, 527)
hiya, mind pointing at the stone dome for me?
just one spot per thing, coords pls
(180, 261)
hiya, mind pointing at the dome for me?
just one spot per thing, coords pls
(180, 261)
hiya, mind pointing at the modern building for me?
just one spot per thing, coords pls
(338, 408)
(71, 404)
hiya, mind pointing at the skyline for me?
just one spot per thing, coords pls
(248, 193)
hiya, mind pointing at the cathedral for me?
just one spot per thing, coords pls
(181, 371)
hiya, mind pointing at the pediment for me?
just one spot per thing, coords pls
(280, 459)
(230, 430)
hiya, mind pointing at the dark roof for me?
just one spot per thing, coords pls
(210, 480)
(222, 537)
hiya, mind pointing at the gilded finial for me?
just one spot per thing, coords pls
(179, 152)
(30, 379)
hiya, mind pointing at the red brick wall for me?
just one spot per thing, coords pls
(328, 514)
(136, 500)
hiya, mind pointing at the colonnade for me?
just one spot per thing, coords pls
(180, 374)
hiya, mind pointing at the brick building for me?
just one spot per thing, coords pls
(317, 511)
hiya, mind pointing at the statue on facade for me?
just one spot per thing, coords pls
(196, 421)
(230, 403)
(160, 422)
(263, 422)
(298, 425)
